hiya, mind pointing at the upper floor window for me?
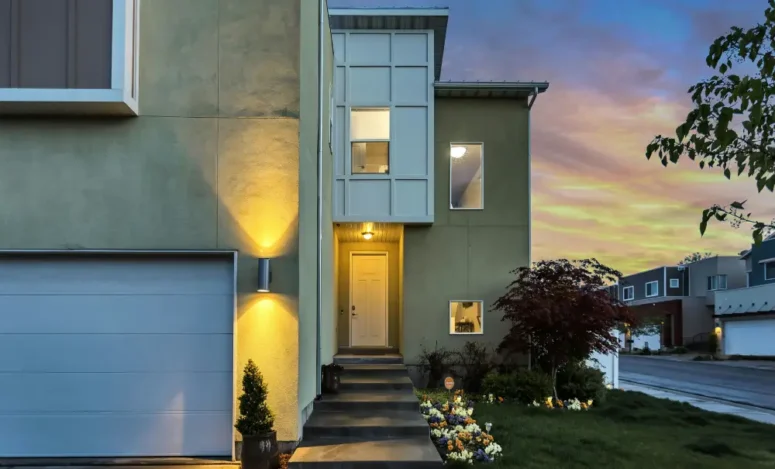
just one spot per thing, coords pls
(652, 289)
(717, 282)
(674, 283)
(370, 140)
(466, 167)
(628, 293)
(769, 270)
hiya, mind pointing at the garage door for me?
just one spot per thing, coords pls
(753, 337)
(116, 356)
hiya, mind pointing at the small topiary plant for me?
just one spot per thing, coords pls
(255, 416)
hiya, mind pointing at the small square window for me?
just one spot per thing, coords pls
(628, 293)
(674, 283)
(465, 317)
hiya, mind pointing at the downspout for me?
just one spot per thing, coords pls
(321, 55)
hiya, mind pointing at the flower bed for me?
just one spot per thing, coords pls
(569, 404)
(456, 434)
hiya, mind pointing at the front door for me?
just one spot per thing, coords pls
(368, 300)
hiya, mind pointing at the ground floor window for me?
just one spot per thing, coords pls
(465, 317)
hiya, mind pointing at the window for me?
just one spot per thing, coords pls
(717, 282)
(466, 166)
(628, 293)
(674, 283)
(465, 317)
(652, 289)
(370, 140)
(769, 271)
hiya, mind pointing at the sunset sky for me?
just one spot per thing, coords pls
(618, 72)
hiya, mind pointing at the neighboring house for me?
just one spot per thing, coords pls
(682, 297)
(746, 315)
(189, 184)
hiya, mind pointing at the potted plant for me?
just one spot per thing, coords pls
(331, 376)
(256, 422)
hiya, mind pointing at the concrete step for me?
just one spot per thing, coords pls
(349, 359)
(357, 383)
(363, 424)
(368, 401)
(372, 371)
(118, 463)
(368, 351)
(349, 453)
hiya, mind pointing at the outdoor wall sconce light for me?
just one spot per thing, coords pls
(264, 275)
(367, 235)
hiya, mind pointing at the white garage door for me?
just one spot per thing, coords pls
(116, 356)
(749, 337)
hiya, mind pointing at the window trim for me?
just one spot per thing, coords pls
(456, 143)
(624, 295)
(646, 289)
(765, 264)
(389, 109)
(677, 283)
(717, 277)
(123, 96)
(449, 316)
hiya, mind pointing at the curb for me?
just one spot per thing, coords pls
(705, 396)
(702, 362)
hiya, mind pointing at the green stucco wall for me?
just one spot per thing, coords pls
(467, 255)
(212, 162)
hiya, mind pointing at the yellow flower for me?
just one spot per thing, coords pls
(589, 402)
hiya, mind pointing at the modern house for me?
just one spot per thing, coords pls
(745, 315)
(682, 297)
(189, 184)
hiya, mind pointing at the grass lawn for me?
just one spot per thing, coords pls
(631, 430)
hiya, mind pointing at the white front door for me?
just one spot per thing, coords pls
(368, 300)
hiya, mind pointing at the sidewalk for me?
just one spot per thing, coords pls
(689, 357)
(703, 403)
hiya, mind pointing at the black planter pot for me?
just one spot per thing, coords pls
(331, 378)
(260, 451)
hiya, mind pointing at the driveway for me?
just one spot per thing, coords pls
(749, 386)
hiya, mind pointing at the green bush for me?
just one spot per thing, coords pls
(476, 362)
(680, 350)
(523, 385)
(713, 343)
(582, 382)
(255, 417)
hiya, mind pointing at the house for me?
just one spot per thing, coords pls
(681, 297)
(745, 316)
(189, 184)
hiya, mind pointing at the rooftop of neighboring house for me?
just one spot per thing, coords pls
(747, 252)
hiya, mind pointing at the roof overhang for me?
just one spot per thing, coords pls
(403, 19)
(475, 89)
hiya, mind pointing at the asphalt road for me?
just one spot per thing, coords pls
(741, 385)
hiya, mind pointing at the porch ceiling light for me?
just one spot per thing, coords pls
(264, 275)
(457, 152)
(367, 235)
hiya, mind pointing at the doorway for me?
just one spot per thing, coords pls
(368, 299)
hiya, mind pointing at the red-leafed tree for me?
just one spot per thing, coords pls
(561, 312)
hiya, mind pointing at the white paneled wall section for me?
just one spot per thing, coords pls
(384, 71)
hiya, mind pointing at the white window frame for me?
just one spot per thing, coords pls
(389, 110)
(764, 265)
(481, 170)
(656, 289)
(124, 72)
(726, 282)
(675, 283)
(449, 316)
(626, 297)
(715, 282)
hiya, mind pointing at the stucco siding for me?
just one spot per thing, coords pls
(468, 255)
(212, 162)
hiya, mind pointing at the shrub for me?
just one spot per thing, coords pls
(435, 363)
(476, 361)
(523, 385)
(645, 351)
(680, 350)
(255, 417)
(581, 382)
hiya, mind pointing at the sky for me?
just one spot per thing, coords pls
(619, 71)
